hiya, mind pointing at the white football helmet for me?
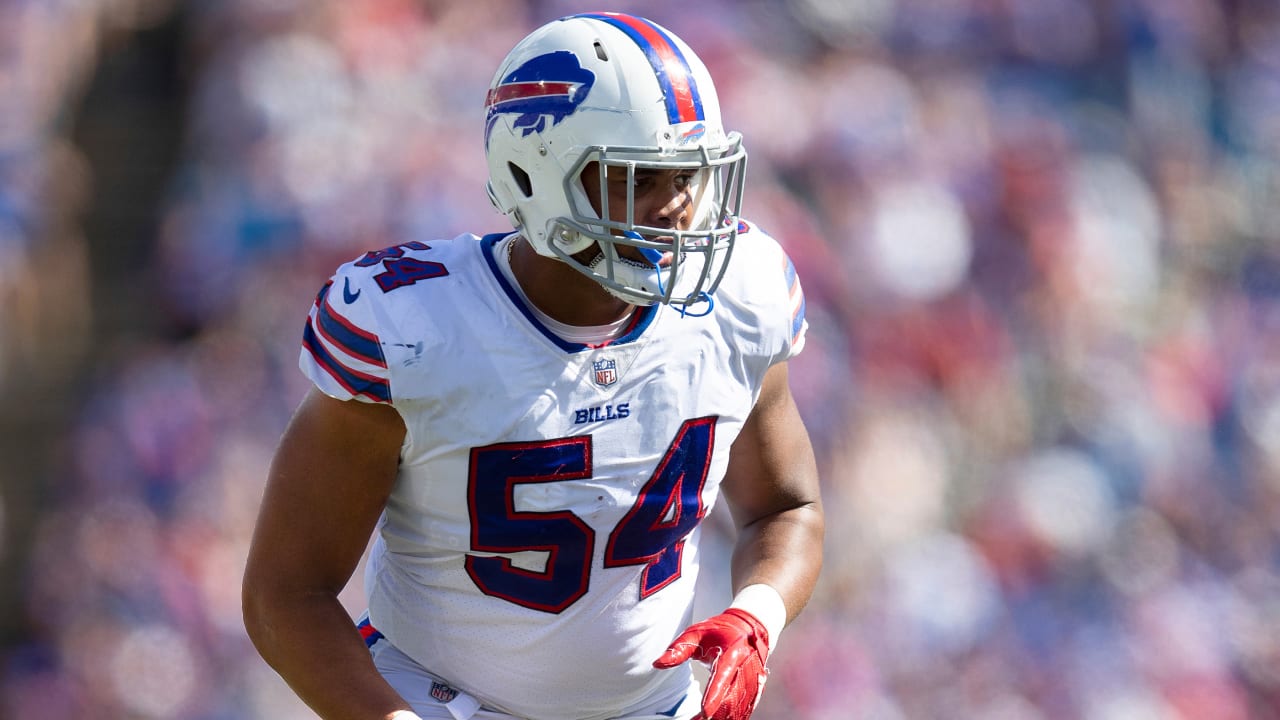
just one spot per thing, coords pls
(623, 92)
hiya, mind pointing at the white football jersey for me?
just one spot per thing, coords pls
(540, 547)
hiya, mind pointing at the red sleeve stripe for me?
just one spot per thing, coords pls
(353, 381)
(346, 335)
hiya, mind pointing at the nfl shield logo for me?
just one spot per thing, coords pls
(606, 372)
(442, 692)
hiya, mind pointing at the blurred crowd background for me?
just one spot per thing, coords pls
(1040, 241)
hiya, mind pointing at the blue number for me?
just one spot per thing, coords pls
(497, 527)
(398, 270)
(395, 251)
(669, 507)
(652, 532)
(407, 271)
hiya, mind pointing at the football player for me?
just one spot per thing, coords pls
(534, 423)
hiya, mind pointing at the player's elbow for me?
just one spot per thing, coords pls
(253, 612)
(259, 606)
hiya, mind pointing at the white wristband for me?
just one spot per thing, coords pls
(766, 605)
(404, 715)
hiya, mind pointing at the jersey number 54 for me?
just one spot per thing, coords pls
(652, 533)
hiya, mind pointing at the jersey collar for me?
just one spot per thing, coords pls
(640, 319)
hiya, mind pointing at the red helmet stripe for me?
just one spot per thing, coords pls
(521, 90)
(672, 69)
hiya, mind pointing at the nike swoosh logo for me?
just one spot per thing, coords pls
(347, 295)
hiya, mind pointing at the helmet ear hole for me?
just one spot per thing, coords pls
(522, 179)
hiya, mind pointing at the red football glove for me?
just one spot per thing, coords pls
(735, 645)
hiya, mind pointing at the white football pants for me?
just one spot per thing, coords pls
(432, 699)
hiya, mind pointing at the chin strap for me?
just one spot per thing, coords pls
(654, 257)
(651, 267)
(702, 298)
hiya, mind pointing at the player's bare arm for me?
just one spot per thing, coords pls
(329, 480)
(772, 489)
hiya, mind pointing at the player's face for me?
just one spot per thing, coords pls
(664, 198)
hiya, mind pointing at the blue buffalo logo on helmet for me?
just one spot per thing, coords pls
(549, 86)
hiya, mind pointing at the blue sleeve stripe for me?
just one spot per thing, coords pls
(797, 321)
(354, 381)
(790, 271)
(796, 295)
(340, 331)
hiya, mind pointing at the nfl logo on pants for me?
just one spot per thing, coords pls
(606, 372)
(443, 693)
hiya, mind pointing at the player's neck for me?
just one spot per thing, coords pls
(561, 292)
